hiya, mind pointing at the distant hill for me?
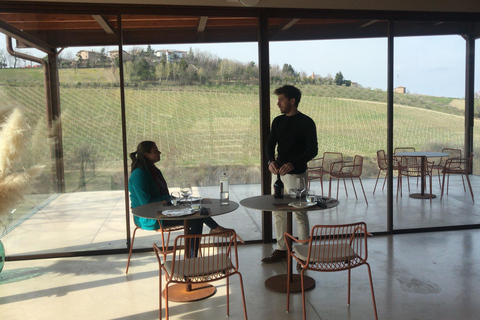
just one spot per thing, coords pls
(202, 130)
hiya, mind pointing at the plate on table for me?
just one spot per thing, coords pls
(301, 204)
(178, 212)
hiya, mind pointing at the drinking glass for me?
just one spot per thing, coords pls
(310, 196)
(175, 198)
(186, 191)
(301, 186)
(196, 203)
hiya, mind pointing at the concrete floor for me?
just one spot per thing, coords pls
(416, 276)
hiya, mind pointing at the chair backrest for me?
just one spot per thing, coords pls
(216, 257)
(410, 166)
(357, 166)
(337, 247)
(459, 165)
(453, 153)
(382, 160)
(329, 157)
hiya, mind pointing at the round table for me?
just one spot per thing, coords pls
(153, 210)
(424, 155)
(269, 203)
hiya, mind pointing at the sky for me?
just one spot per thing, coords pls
(432, 65)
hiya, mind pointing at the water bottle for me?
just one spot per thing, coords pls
(224, 198)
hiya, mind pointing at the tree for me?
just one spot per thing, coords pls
(339, 80)
(288, 70)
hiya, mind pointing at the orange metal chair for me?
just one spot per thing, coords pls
(396, 159)
(331, 248)
(218, 259)
(453, 153)
(382, 166)
(347, 169)
(318, 167)
(162, 230)
(410, 167)
(462, 166)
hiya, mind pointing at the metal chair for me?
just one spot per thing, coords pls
(347, 169)
(331, 248)
(318, 167)
(382, 166)
(218, 259)
(453, 153)
(396, 159)
(162, 230)
(462, 166)
(411, 167)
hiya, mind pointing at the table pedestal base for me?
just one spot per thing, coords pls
(421, 196)
(279, 283)
(179, 293)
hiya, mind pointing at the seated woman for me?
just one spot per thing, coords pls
(146, 184)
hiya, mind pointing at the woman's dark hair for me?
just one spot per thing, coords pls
(138, 157)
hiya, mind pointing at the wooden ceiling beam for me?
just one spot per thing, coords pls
(26, 38)
(202, 22)
(104, 23)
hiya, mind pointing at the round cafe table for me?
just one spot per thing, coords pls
(269, 203)
(153, 210)
(424, 155)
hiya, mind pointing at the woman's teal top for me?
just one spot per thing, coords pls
(143, 190)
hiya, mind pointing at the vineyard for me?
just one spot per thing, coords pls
(205, 130)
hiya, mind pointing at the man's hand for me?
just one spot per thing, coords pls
(273, 167)
(286, 168)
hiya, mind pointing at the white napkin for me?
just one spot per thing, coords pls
(178, 212)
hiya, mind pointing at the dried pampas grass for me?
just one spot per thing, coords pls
(12, 140)
(14, 185)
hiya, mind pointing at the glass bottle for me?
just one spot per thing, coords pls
(224, 195)
(278, 187)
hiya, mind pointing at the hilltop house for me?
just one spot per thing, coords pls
(90, 56)
(114, 54)
(172, 55)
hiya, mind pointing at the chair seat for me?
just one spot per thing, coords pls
(198, 269)
(326, 253)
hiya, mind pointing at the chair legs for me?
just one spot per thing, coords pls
(353, 184)
(384, 180)
(304, 309)
(131, 248)
(448, 180)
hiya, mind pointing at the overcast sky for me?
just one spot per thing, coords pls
(425, 65)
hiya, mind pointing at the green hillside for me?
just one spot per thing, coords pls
(203, 130)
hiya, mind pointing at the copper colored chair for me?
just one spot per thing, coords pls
(347, 170)
(314, 170)
(331, 248)
(396, 159)
(319, 167)
(409, 167)
(462, 166)
(217, 260)
(453, 153)
(163, 231)
(382, 166)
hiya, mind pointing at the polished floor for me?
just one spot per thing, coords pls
(416, 276)
(433, 275)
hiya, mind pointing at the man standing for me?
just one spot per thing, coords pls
(295, 136)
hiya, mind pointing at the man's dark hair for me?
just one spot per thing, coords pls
(290, 92)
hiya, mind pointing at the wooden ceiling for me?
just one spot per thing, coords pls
(50, 26)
